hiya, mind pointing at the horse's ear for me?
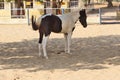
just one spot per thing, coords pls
(83, 10)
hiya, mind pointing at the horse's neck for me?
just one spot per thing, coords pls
(75, 15)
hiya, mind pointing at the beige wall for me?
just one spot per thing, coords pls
(5, 14)
(6, 11)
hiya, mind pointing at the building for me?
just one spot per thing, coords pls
(19, 11)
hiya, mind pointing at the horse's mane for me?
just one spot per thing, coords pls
(74, 10)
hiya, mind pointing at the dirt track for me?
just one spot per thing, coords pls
(95, 54)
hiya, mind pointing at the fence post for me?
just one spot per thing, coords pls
(28, 18)
(62, 11)
(100, 15)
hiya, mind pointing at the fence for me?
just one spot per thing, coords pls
(10, 17)
(100, 16)
(10, 14)
(109, 16)
(22, 16)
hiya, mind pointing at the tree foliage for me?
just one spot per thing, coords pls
(109, 3)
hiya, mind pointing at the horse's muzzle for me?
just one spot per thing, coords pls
(85, 25)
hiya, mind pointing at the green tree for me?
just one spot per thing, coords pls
(18, 4)
(55, 4)
(109, 3)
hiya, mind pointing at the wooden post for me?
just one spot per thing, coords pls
(28, 17)
(62, 11)
(100, 16)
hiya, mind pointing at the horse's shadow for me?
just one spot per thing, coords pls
(87, 53)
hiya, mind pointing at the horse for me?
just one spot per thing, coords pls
(64, 23)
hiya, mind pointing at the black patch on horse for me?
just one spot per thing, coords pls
(50, 23)
(73, 29)
(83, 18)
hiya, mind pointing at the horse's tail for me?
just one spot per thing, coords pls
(34, 25)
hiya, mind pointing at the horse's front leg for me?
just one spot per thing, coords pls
(66, 42)
(69, 41)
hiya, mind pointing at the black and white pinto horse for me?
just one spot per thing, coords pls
(64, 23)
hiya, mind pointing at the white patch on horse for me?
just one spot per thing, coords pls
(46, 15)
(38, 22)
(59, 24)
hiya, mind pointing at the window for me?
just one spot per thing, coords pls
(73, 3)
(1, 4)
(29, 3)
(17, 10)
(47, 4)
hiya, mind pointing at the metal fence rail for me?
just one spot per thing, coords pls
(109, 16)
(11, 16)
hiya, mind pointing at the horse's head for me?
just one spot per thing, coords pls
(83, 18)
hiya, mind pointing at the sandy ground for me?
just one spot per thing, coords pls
(95, 54)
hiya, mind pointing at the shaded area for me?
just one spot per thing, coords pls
(87, 53)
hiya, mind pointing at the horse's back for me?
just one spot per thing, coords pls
(67, 23)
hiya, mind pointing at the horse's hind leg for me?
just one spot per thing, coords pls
(39, 46)
(40, 43)
(44, 43)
